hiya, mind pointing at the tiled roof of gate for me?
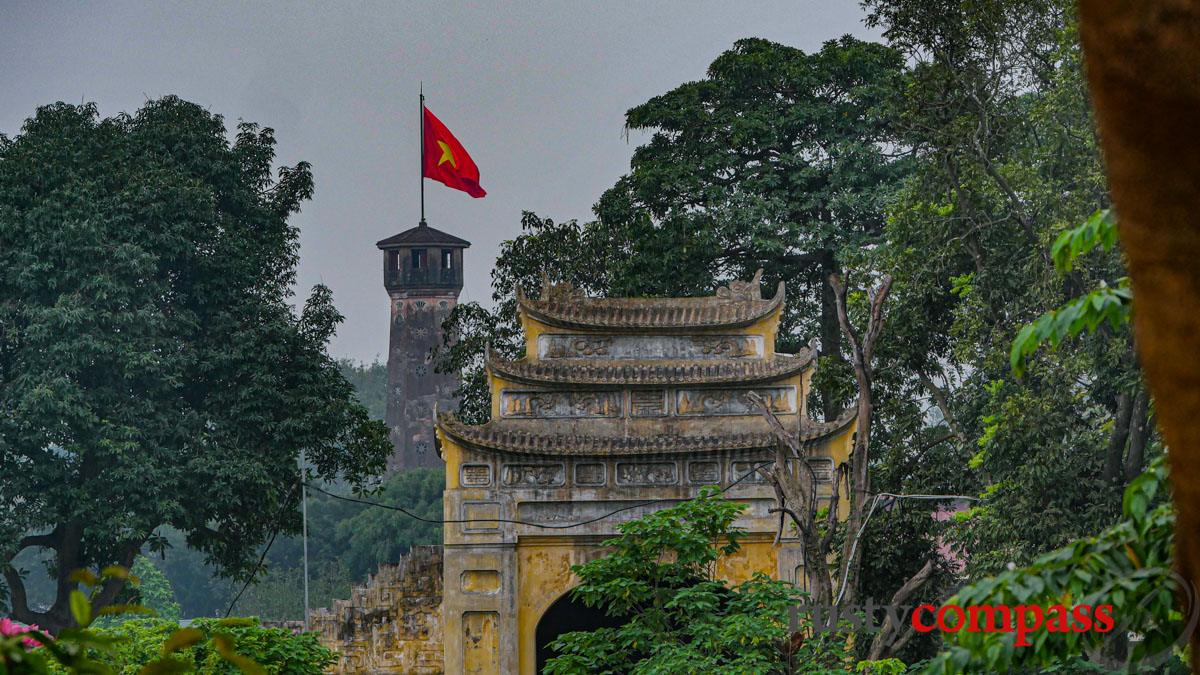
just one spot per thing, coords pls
(651, 373)
(739, 304)
(497, 435)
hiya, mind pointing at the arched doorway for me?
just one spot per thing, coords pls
(564, 616)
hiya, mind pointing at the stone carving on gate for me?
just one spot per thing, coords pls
(560, 292)
(552, 404)
(739, 470)
(590, 473)
(697, 402)
(734, 347)
(648, 473)
(649, 347)
(533, 475)
(476, 475)
(650, 403)
(704, 473)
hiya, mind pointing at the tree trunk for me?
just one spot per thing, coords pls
(831, 332)
(1140, 428)
(65, 541)
(861, 349)
(1143, 67)
(1116, 441)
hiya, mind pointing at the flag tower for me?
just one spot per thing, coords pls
(423, 275)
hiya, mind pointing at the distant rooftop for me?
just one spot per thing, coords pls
(422, 235)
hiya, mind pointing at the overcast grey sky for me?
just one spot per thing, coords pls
(536, 92)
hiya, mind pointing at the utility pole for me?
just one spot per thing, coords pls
(304, 517)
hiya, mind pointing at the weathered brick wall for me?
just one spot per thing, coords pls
(392, 625)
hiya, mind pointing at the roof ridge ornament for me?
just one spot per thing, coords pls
(737, 290)
(560, 292)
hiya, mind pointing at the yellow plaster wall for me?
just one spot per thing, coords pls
(452, 454)
(543, 574)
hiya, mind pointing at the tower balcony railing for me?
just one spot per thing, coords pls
(422, 277)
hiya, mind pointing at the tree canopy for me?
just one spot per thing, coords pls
(152, 370)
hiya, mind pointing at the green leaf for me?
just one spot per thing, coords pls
(166, 666)
(85, 577)
(81, 608)
(182, 639)
(224, 644)
(112, 610)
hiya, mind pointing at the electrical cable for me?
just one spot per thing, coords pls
(858, 537)
(440, 521)
(278, 525)
(279, 520)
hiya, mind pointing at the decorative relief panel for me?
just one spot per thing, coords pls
(533, 475)
(484, 516)
(480, 582)
(552, 404)
(476, 475)
(650, 473)
(481, 643)
(590, 474)
(730, 347)
(652, 403)
(822, 468)
(651, 347)
(696, 402)
(577, 510)
(738, 469)
(704, 473)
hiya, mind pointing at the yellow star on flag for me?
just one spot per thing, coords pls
(447, 156)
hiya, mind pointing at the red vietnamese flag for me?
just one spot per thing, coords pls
(447, 161)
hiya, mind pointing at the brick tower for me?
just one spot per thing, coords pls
(423, 274)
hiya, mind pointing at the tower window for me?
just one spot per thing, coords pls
(447, 258)
(393, 260)
(420, 259)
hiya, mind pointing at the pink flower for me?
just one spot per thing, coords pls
(8, 628)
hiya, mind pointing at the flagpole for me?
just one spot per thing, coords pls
(422, 152)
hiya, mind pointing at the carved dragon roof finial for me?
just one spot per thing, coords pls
(560, 292)
(737, 290)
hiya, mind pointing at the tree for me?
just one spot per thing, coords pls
(370, 384)
(777, 159)
(679, 617)
(154, 590)
(1005, 158)
(152, 371)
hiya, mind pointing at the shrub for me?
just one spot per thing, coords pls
(276, 650)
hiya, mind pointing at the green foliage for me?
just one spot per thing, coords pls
(85, 649)
(346, 543)
(1128, 566)
(1056, 325)
(155, 371)
(1100, 228)
(995, 110)
(370, 385)
(881, 667)
(1113, 304)
(154, 590)
(680, 616)
(279, 595)
(211, 646)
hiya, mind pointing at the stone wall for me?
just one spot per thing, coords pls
(392, 625)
